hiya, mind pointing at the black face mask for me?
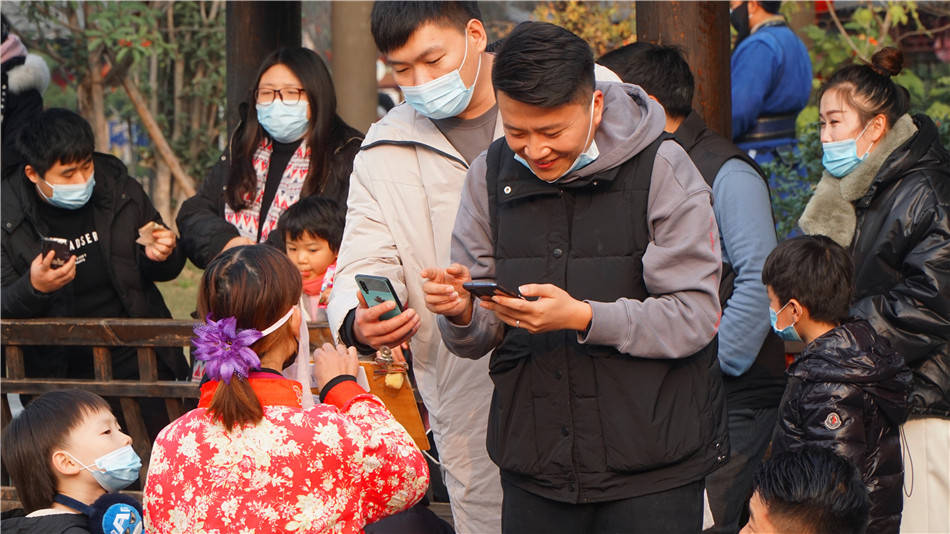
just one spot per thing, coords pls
(739, 17)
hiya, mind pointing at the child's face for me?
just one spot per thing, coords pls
(311, 254)
(97, 435)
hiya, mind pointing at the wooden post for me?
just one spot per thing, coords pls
(353, 61)
(254, 30)
(701, 29)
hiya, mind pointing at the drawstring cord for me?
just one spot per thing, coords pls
(906, 448)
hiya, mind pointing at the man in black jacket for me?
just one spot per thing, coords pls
(750, 355)
(89, 202)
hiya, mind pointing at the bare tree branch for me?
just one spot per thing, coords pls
(927, 32)
(837, 21)
(215, 5)
(185, 181)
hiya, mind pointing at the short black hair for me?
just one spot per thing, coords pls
(544, 65)
(319, 216)
(662, 71)
(813, 490)
(31, 438)
(771, 6)
(393, 23)
(814, 270)
(55, 135)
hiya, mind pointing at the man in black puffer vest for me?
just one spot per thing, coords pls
(752, 357)
(608, 409)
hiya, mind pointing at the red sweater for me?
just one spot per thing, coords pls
(331, 468)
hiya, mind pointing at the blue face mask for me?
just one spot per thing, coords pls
(116, 470)
(584, 159)
(445, 96)
(788, 333)
(841, 157)
(285, 123)
(70, 197)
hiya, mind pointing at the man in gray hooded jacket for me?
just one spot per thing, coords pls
(608, 409)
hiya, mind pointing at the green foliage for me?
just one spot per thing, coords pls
(793, 178)
(126, 29)
(604, 25)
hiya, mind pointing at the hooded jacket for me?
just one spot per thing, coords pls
(595, 454)
(61, 523)
(404, 194)
(847, 391)
(898, 202)
(120, 208)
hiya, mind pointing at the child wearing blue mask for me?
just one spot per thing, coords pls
(68, 458)
(847, 390)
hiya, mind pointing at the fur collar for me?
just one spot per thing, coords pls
(830, 211)
(32, 74)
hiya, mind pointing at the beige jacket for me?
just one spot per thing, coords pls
(404, 194)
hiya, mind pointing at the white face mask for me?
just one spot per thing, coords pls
(583, 159)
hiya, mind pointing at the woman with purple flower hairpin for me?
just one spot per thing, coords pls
(251, 457)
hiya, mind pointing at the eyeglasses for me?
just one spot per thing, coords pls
(287, 95)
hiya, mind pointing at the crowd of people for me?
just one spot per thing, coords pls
(624, 372)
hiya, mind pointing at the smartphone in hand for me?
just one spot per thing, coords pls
(376, 290)
(60, 248)
(486, 290)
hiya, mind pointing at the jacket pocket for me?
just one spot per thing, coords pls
(512, 436)
(650, 410)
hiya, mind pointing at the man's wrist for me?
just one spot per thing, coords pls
(582, 317)
(465, 317)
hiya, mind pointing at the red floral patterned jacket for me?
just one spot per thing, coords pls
(331, 468)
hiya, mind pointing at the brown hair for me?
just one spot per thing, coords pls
(256, 285)
(869, 89)
(32, 437)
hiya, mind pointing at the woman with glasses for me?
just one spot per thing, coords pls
(289, 144)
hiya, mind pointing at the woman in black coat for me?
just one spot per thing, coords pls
(886, 196)
(290, 144)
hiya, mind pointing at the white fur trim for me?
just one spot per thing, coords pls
(32, 74)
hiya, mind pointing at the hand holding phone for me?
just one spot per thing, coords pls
(46, 278)
(377, 322)
(60, 248)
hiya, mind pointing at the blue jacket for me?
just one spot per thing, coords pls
(771, 75)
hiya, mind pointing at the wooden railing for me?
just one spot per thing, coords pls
(145, 335)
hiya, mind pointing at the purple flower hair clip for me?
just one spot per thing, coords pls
(225, 349)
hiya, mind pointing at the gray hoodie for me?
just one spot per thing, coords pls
(681, 265)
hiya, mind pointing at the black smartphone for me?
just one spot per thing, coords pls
(487, 290)
(376, 290)
(60, 248)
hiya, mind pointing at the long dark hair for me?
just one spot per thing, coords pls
(322, 136)
(255, 284)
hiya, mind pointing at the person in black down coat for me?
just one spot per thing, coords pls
(888, 200)
(847, 390)
(290, 144)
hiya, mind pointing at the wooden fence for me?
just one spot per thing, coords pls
(145, 335)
